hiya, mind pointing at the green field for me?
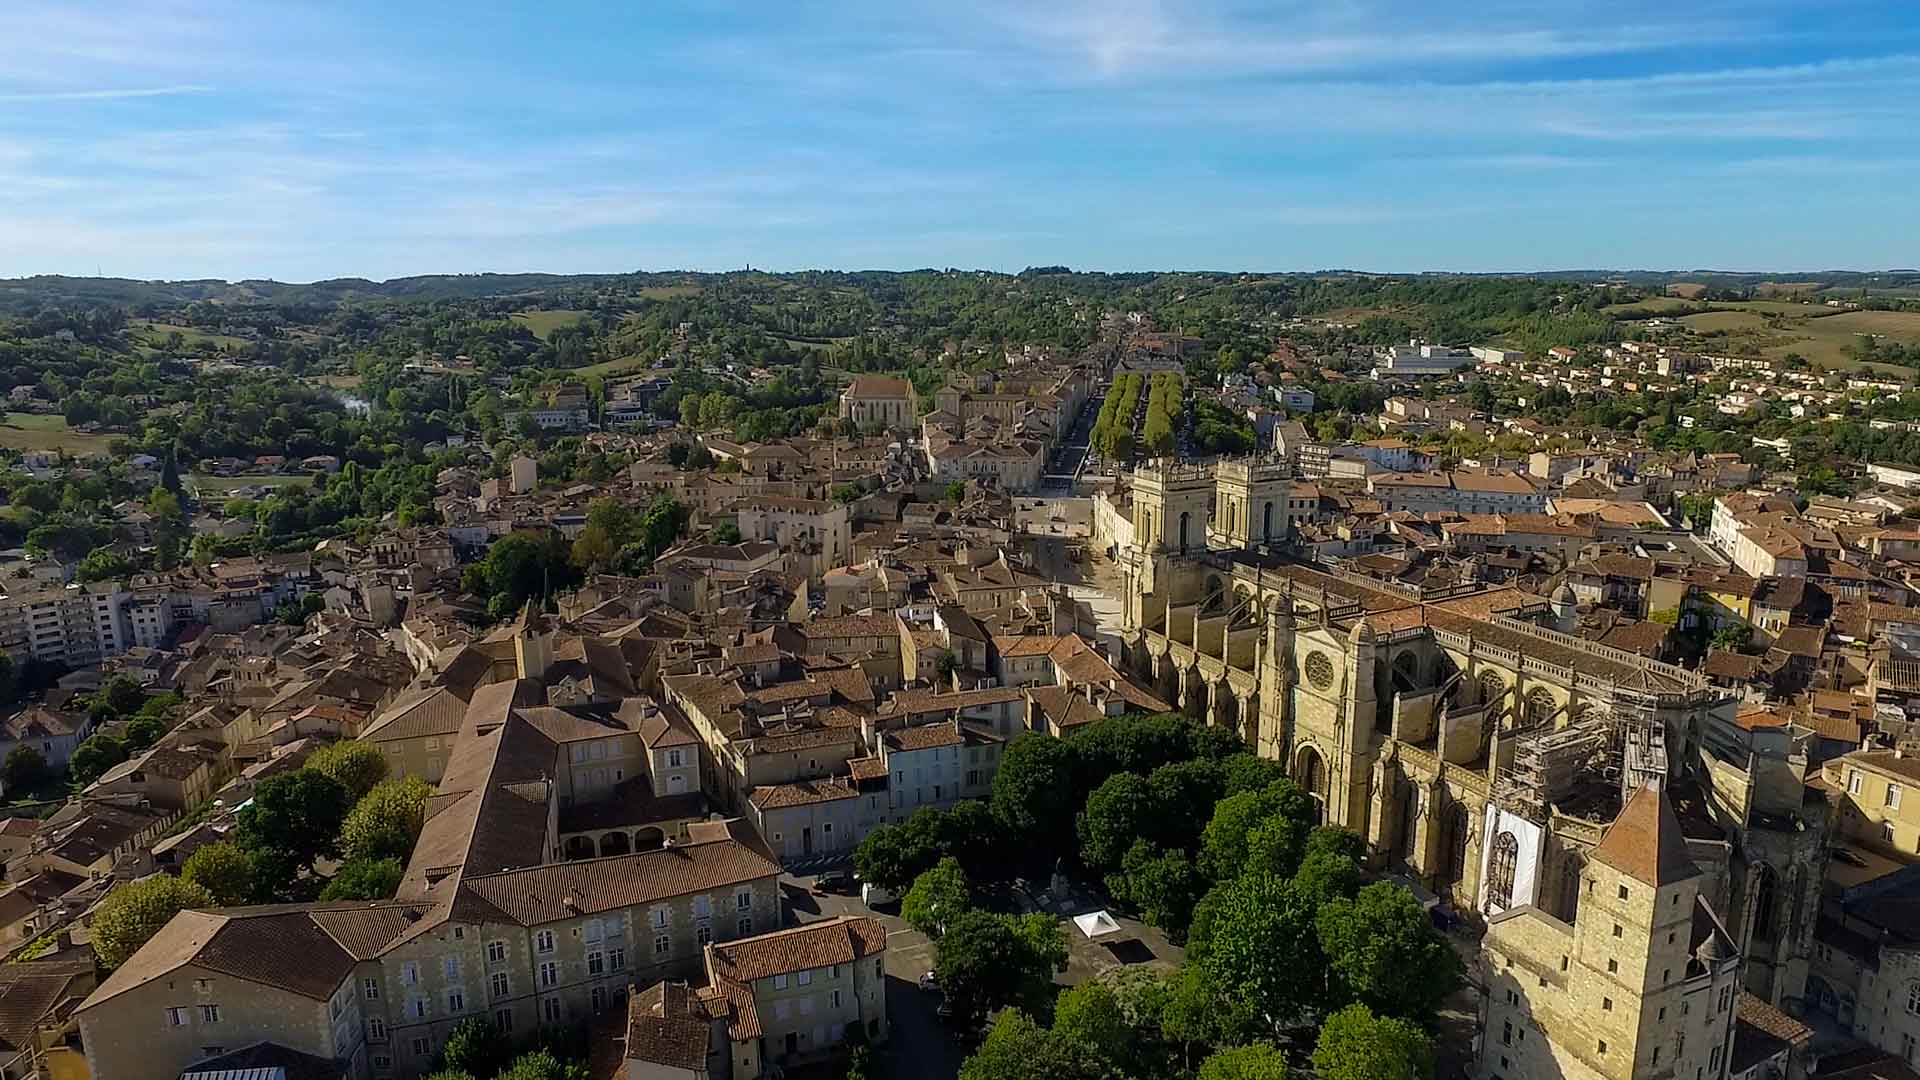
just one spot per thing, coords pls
(1783, 307)
(614, 367)
(804, 343)
(1652, 303)
(1900, 325)
(154, 335)
(339, 382)
(1825, 340)
(669, 292)
(48, 431)
(1731, 321)
(544, 323)
(223, 484)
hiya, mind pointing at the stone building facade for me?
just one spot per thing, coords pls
(1479, 751)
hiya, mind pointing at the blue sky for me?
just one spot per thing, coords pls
(312, 140)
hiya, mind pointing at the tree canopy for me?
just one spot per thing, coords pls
(134, 912)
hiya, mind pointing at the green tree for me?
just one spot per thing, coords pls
(356, 766)
(955, 492)
(1119, 811)
(1261, 949)
(225, 870)
(1329, 871)
(543, 1065)
(1247, 771)
(103, 564)
(95, 756)
(1356, 1045)
(1383, 952)
(1090, 1015)
(1016, 1048)
(593, 549)
(662, 525)
(386, 822)
(1195, 1013)
(26, 768)
(477, 1048)
(1254, 1061)
(518, 567)
(1184, 794)
(365, 879)
(892, 856)
(1733, 637)
(986, 962)
(937, 896)
(161, 707)
(1161, 885)
(294, 818)
(1033, 792)
(135, 911)
(121, 696)
(1224, 844)
(144, 731)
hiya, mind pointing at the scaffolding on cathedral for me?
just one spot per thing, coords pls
(1551, 764)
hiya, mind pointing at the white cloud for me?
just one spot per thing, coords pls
(47, 97)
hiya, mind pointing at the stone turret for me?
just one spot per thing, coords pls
(532, 643)
(1565, 609)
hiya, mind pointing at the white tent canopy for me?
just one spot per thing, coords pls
(1095, 923)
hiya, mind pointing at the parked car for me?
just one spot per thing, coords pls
(928, 982)
(833, 881)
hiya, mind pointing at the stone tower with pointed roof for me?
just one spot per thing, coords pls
(1644, 984)
(532, 642)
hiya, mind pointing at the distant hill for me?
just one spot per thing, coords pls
(27, 293)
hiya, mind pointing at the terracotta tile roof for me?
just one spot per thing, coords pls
(845, 626)
(811, 739)
(1761, 1015)
(490, 811)
(664, 726)
(1062, 707)
(801, 793)
(924, 736)
(28, 993)
(878, 386)
(840, 940)
(668, 1025)
(564, 725)
(1646, 843)
(1648, 639)
(1726, 664)
(921, 702)
(1837, 728)
(1894, 762)
(278, 946)
(365, 930)
(1757, 719)
(1021, 645)
(1804, 641)
(544, 894)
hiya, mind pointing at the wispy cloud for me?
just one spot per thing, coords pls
(238, 137)
(118, 94)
